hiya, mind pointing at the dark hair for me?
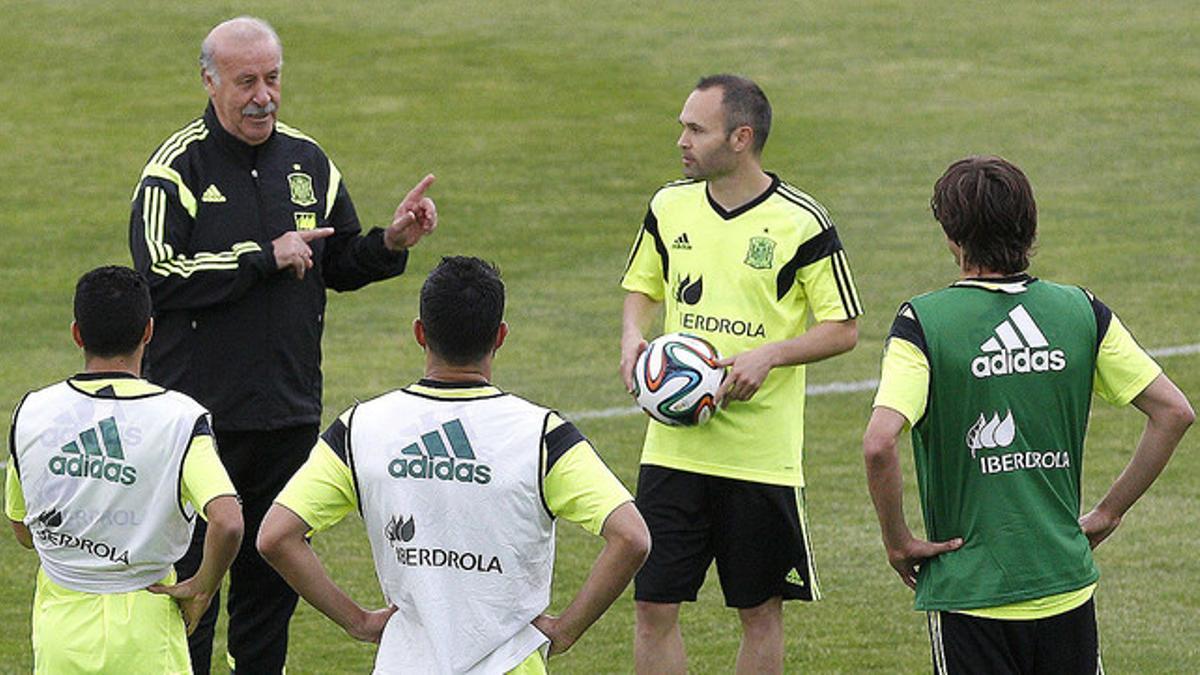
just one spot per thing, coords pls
(112, 308)
(745, 105)
(986, 206)
(462, 304)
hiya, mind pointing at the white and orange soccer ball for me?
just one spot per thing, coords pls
(676, 379)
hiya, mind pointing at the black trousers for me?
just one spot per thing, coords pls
(260, 601)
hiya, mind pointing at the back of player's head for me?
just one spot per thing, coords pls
(745, 105)
(462, 305)
(112, 308)
(985, 205)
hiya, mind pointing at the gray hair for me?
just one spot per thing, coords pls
(246, 27)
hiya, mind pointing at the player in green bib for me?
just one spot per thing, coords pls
(995, 376)
(743, 259)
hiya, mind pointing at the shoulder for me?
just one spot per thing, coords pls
(675, 191)
(801, 209)
(293, 136)
(178, 144)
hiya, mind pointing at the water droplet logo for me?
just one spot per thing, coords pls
(991, 433)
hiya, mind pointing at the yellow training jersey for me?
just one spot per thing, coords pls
(741, 279)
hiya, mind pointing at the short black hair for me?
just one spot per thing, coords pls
(112, 308)
(985, 205)
(745, 105)
(462, 305)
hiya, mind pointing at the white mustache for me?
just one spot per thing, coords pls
(253, 109)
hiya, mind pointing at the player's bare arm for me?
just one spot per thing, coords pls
(21, 532)
(626, 545)
(281, 543)
(886, 484)
(1168, 417)
(221, 543)
(636, 317)
(748, 370)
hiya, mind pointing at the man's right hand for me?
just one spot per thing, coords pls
(292, 249)
(191, 597)
(369, 627)
(907, 559)
(632, 346)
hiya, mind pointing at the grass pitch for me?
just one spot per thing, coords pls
(549, 126)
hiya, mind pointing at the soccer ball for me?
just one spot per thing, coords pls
(676, 379)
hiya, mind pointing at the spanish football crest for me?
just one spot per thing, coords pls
(761, 253)
(301, 186)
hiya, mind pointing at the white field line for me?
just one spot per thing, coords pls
(841, 387)
(820, 389)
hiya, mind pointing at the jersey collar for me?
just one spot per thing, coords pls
(1013, 284)
(117, 384)
(453, 391)
(730, 215)
(243, 151)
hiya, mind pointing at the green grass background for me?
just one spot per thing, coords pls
(549, 125)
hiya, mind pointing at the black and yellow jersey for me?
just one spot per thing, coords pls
(232, 331)
(741, 279)
(576, 484)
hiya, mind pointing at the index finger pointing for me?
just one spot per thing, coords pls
(318, 233)
(419, 190)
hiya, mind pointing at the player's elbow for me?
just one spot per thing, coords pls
(629, 534)
(1180, 415)
(225, 524)
(845, 337)
(879, 450)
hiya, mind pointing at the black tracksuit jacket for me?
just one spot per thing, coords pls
(232, 331)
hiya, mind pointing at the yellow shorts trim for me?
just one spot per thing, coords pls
(135, 632)
(534, 664)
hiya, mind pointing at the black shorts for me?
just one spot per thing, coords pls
(756, 532)
(1063, 644)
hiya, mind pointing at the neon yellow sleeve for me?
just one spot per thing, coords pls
(322, 491)
(643, 272)
(14, 498)
(579, 487)
(204, 476)
(1123, 368)
(904, 380)
(830, 289)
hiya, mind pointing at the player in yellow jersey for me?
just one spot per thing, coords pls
(459, 485)
(106, 476)
(741, 258)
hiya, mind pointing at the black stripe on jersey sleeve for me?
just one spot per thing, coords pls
(349, 456)
(12, 434)
(543, 467)
(335, 436)
(650, 225)
(202, 427)
(821, 246)
(909, 328)
(558, 442)
(1103, 317)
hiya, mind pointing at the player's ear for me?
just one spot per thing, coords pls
(743, 137)
(149, 332)
(419, 332)
(501, 334)
(76, 335)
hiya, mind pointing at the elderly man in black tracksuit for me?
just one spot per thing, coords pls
(239, 224)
